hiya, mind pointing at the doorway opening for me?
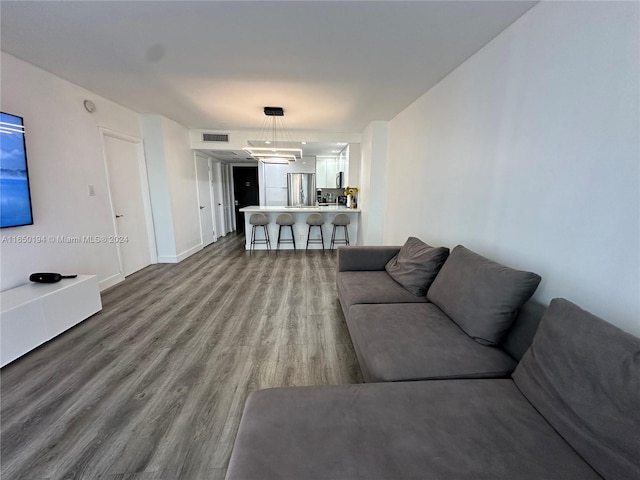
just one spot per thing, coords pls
(245, 190)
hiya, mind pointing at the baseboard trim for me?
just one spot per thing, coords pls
(110, 281)
(189, 252)
(181, 256)
(167, 259)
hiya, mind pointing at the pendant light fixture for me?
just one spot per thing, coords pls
(275, 142)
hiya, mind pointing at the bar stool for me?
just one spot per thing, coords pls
(285, 220)
(315, 220)
(340, 220)
(259, 220)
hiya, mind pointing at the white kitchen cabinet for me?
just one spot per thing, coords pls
(321, 173)
(306, 165)
(275, 179)
(343, 165)
(322, 166)
(276, 196)
(275, 175)
(327, 170)
(326, 174)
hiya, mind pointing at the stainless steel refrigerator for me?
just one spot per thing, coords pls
(301, 189)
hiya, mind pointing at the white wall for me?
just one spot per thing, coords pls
(159, 187)
(355, 157)
(64, 157)
(173, 185)
(372, 196)
(529, 153)
(183, 187)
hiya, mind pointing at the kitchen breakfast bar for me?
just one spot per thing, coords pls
(300, 227)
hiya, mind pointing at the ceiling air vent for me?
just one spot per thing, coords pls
(215, 137)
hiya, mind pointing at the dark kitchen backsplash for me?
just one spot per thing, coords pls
(335, 192)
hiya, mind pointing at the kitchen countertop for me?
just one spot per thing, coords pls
(320, 209)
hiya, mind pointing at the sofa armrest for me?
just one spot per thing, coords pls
(365, 258)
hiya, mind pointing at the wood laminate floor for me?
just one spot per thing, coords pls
(153, 386)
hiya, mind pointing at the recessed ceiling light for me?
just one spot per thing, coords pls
(267, 141)
(304, 143)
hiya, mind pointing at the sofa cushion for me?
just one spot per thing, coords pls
(416, 265)
(520, 336)
(480, 295)
(583, 375)
(417, 341)
(371, 287)
(456, 429)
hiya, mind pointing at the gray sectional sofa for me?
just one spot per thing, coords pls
(569, 410)
(398, 335)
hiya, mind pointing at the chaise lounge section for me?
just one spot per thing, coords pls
(569, 412)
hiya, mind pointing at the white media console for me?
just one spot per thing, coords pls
(34, 313)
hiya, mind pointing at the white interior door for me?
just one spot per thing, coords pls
(204, 199)
(218, 199)
(125, 186)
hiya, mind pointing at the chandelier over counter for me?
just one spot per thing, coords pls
(275, 144)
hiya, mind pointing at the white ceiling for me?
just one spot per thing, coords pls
(333, 66)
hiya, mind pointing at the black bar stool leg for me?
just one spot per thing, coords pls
(253, 237)
(293, 237)
(266, 237)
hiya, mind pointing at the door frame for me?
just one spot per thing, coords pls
(202, 156)
(229, 197)
(144, 187)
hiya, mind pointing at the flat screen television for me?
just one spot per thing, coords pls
(15, 197)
